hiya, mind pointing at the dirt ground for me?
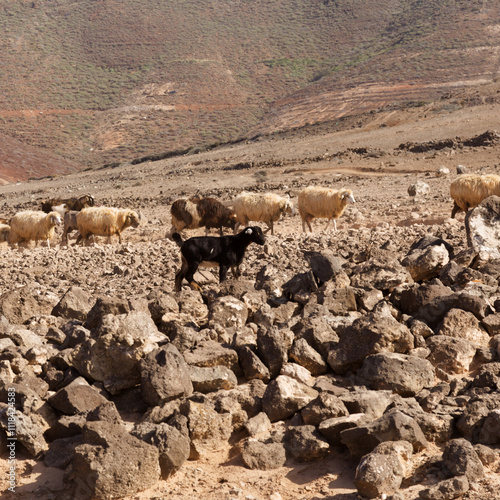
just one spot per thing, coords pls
(365, 159)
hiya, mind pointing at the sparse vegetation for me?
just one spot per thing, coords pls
(125, 79)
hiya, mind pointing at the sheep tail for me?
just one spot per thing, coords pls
(177, 238)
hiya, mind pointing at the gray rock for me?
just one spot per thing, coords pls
(477, 409)
(453, 355)
(112, 463)
(164, 375)
(490, 431)
(172, 444)
(392, 426)
(426, 258)
(211, 379)
(448, 489)
(263, 455)
(302, 353)
(483, 228)
(285, 396)
(77, 397)
(74, 304)
(463, 324)
(332, 428)
(61, 451)
(209, 353)
(418, 188)
(253, 367)
(324, 264)
(325, 406)
(382, 271)
(403, 374)
(21, 304)
(460, 458)
(208, 429)
(271, 349)
(382, 471)
(25, 429)
(258, 425)
(373, 333)
(114, 356)
(339, 301)
(306, 444)
(228, 312)
(372, 403)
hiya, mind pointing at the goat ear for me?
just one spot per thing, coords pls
(248, 230)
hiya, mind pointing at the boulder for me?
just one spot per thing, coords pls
(325, 406)
(483, 228)
(271, 349)
(446, 489)
(285, 396)
(426, 258)
(253, 367)
(403, 374)
(418, 188)
(306, 356)
(208, 429)
(372, 333)
(211, 379)
(460, 458)
(77, 397)
(164, 375)
(113, 463)
(74, 304)
(463, 324)
(228, 312)
(451, 354)
(381, 472)
(381, 271)
(263, 455)
(392, 426)
(306, 444)
(114, 356)
(324, 264)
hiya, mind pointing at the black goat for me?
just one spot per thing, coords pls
(226, 251)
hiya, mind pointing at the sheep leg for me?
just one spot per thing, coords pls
(456, 209)
(307, 220)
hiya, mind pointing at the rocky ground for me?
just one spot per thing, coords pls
(274, 386)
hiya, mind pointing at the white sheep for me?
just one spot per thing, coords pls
(260, 207)
(105, 221)
(33, 226)
(322, 202)
(4, 232)
(469, 190)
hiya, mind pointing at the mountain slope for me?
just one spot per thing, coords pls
(102, 81)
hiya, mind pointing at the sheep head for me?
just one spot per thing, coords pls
(347, 196)
(54, 218)
(132, 219)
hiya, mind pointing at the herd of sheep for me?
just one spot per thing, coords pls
(80, 214)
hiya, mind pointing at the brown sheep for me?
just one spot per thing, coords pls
(206, 212)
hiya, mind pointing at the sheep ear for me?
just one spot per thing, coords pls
(248, 231)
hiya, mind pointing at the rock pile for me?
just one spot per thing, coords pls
(377, 351)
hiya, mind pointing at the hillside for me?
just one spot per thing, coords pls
(378, 163)
(100, 81)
